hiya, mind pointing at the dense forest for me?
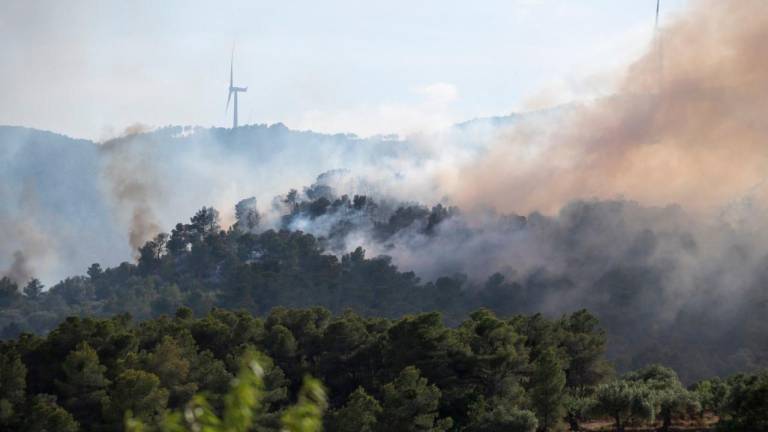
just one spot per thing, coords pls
(388, 361)
(523, 373)
(313, 257)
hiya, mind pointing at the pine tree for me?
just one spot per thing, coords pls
(548, 382)
(33, 289)
(172, 368)
(138, 393)
(359, 414)
(84, 385)
(12, 386)
(410, 404)
(47, 416)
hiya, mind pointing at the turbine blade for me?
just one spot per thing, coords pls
(229, 96)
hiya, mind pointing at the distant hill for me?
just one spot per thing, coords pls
(85, 198)
(64, 206)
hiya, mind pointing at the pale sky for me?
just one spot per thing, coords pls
(89, 69)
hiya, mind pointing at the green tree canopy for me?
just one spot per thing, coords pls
(359, 414)
(46, 416)
(83, 385)
(410, 404)
(547, 390)
(624, 401)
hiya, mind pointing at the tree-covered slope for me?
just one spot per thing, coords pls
(401, 370)
(201, 266)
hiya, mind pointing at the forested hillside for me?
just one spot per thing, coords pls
(522, 373)
(71, 202)
(415, 366)
(253, 268)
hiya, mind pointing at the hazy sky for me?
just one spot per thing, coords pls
(90, 69)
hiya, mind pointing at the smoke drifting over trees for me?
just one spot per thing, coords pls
(690, 131)
(647, 207)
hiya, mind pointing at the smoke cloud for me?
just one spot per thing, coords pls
(19, 270)
(647, 207)
(23, 240)
(687, 126)
(131, 176)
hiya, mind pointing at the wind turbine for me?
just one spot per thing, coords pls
(233, 89)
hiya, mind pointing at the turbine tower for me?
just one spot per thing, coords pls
(233, 89)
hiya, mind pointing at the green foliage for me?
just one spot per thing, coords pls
(241, 407)
(676, 402)
(578, 405)
(656, 376)
(497, 349)
(410, 404)
(652, 392)
(746, 407)
(584, 342)
(359, 414)
(169, 364)
(671, 399)
(139, 393)
(712, 394)
(12, 378)
(9, 292)
(6, 412)
(307, 414)
(46, 416)
(624, 401)
(83, 385)
(501, 418)
(547, 391)
(198, 266)
(33, 289)
(419, 374)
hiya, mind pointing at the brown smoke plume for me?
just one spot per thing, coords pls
(19, 270)
(33, 251)
(131, 176)
(24, 240)
(692, 130)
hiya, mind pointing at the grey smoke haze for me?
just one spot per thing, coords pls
(91, 202)
(52, 209)
(656, 276)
